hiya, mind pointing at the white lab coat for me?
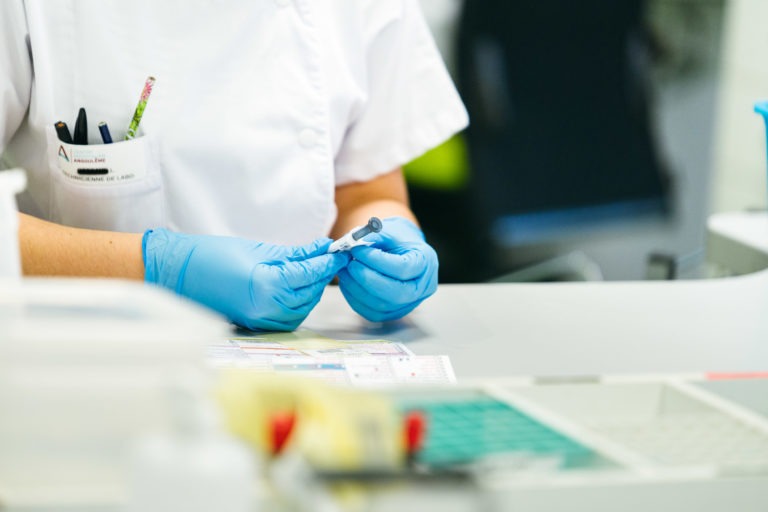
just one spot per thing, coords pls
(260, 108)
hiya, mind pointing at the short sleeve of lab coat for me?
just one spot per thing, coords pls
(411, 105)
(15, 69)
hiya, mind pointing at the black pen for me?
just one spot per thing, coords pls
(63, 132)
(81, 129)
(105, 135)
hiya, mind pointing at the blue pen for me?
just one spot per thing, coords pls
(105, 135)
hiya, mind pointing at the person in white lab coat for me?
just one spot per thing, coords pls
(272, 125)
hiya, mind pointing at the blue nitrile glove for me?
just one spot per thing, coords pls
(255, 285)
(388, 279)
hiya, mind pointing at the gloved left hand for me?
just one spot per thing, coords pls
(387, 280)
(255, 284)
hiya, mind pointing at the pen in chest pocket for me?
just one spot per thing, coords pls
(62, 131)
(139, 112)
(106, 137)
(81, 129)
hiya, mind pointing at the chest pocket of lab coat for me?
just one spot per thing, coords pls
(114, 187)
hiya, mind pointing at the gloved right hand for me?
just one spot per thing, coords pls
(256, 285)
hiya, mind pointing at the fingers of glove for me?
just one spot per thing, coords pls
(289, 291)
(351, 289)
(373, 311)
(404, 265)
(269, 311)
(268, 253)
(362, 292)
(299, 274)
(391, 290)
(303, 299)
(311, 250)
(396, 232)
(273, 299)
(399, 230)
(268, 324)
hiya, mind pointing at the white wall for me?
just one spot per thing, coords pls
(739, 180)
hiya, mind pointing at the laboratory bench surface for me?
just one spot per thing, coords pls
(499, 330)
(488, 330)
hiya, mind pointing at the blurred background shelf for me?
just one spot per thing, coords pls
(613, 140)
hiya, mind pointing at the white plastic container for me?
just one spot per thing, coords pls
(85, 368)
(195, 466)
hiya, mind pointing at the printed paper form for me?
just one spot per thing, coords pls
(357, 362)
